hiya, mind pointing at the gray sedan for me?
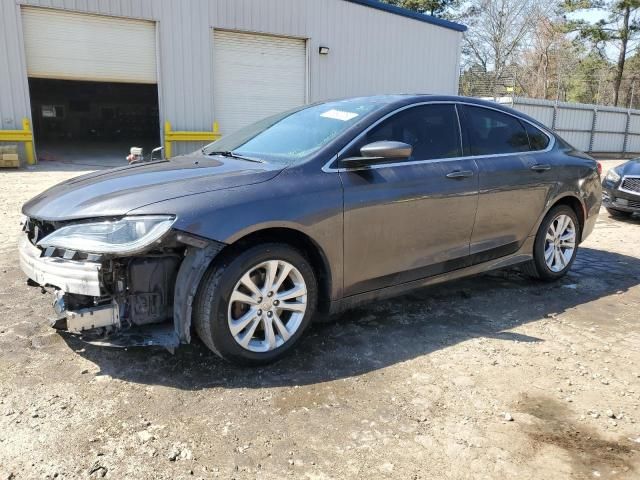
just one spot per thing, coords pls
(305, 214)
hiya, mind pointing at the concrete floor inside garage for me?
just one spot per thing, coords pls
(93, 123)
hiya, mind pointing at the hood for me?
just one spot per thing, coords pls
(632, 167)
(112, 193)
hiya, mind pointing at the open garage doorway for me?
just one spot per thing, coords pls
(93, 85)
(93, 123)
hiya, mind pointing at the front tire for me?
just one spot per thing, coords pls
(556, 244)
(253, 307)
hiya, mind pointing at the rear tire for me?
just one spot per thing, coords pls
(246, 313)
(556, 245)
(618, 213)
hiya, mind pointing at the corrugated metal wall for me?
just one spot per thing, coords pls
(371, 51)
(14, 97)
(591, 128)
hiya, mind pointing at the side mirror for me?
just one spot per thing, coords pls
(379, 152)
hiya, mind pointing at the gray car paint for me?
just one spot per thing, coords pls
(391, 211)
(114, 192)
(378, 232)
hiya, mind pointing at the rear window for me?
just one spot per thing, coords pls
(492, 132)
(537, 139)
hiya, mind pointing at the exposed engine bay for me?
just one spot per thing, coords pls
(138, 291)
(107, 299)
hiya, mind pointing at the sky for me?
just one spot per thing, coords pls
(589, 15)
(593, 16)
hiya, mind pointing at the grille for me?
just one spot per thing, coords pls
(628, 203)
(631, 184)
(37, 229)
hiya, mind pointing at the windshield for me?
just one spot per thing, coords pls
(296, 134)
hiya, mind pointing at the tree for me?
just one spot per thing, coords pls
(586, 81)
(498, 31)
(632, 75)
(436, 8)
(548, 52)
(619, 29)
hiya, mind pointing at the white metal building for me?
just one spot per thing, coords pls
(108, 70)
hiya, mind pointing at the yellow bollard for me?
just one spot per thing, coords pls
(167, 139)
(187, 136)
(28, 144)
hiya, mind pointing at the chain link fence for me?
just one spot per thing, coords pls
(597, 89)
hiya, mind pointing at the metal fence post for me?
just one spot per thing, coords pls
(593, 128)
(625, 145)
(555, 116)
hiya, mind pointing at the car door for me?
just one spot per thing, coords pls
(514, 180)
(411, 219)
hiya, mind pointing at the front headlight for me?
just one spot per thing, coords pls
(612, 176)
(125, 236)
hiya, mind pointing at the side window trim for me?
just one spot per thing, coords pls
(526, 132)
(464, 134)
(464, 142)
(466, 152)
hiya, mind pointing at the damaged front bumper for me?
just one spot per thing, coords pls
(78, 277)
(114, 302)
(126, 300)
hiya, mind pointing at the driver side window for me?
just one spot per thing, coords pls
(432, 131)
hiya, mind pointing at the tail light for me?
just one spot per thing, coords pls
(599, 168)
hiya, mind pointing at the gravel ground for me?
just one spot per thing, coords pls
(490, 377)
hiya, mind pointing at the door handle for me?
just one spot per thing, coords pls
(460, 174)
(540, 167)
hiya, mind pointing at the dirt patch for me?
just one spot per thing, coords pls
(591, 455)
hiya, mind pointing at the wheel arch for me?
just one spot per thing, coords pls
(199, 260)
(575, 204)
(569, 199)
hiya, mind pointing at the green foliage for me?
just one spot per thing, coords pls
(619, 29)
(609, 29)
(585, 83)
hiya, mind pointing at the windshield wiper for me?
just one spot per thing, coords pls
(230, 154)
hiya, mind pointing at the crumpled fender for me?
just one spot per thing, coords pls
(192, 269)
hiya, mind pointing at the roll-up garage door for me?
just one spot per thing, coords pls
(76, 46)
(256, 76)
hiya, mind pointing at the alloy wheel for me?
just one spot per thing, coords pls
(267, 306)
(560, 243)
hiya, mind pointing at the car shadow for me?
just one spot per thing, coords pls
(633, 219)
(385, 333)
